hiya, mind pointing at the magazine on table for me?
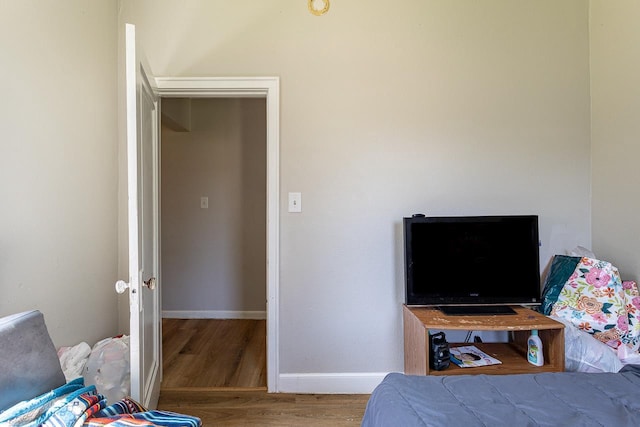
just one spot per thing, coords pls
(470, 356)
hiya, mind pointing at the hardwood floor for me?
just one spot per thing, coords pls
(209, 353)
(216, 370)
(259, 408)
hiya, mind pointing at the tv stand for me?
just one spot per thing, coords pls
(420, 321)
(475, 310)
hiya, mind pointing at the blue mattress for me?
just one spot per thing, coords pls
(546, 399)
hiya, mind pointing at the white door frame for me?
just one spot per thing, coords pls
(251, 87)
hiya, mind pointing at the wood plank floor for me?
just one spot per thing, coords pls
(209, 353)
(216, 370)
(259, 408)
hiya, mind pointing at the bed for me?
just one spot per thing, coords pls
(546, 399)
(601, 314)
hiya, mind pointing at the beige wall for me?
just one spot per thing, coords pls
(398, 107)
(58, 167)
(215, 259)
(389, 109)
(615, 100)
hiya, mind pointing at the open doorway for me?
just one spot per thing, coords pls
(214, 242)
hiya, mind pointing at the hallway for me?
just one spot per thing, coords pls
(214, 353)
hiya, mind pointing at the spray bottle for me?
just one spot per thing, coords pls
(535, 354)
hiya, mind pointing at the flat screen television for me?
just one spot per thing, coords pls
(472, 264)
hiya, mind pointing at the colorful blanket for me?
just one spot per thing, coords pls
(74, 405)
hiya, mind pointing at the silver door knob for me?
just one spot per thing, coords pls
(151, 283)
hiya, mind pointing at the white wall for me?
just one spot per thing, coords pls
(615, 91)
(389, 109)
(58, 168)
(214, 259)
(441, 107)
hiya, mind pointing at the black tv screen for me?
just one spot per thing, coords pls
(472, 260)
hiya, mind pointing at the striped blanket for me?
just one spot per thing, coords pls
(74, 405)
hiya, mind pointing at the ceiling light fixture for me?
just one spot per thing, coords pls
(318, 7)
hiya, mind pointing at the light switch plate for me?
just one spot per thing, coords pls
(295, 202)
(204, 203)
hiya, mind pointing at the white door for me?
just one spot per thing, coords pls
(144, 274)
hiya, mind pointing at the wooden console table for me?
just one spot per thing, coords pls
(418, 321)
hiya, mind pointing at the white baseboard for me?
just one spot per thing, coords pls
(336, 383)
(213, 314)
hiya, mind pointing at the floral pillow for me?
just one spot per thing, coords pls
(632, 302)
(595, 300)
